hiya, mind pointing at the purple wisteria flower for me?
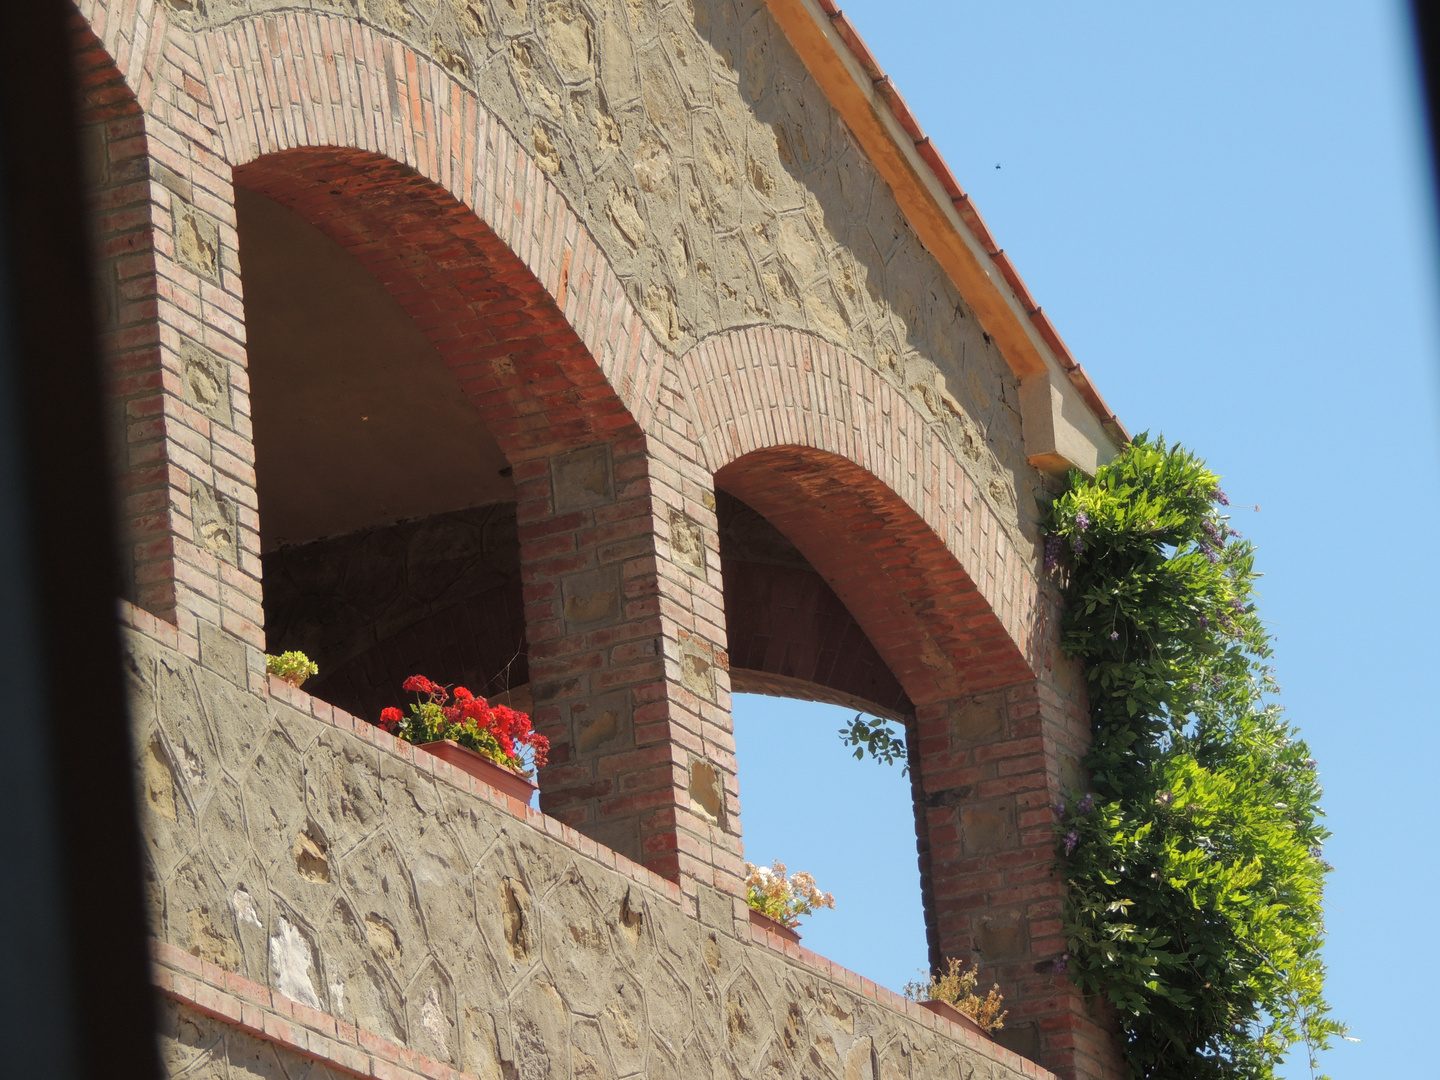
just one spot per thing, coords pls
(1077, 545)
(1204, 622)
(1058, 810)
(1317, 851)
(1072, 841)
(1086, 804)
(1237, 605)
(1082, 520)
(1114, 635)
(1060, 964)
(1166, 798)
(1310, 763)
(1220, 497)
(1052, 552)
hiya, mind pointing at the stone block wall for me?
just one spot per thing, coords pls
(328, 901)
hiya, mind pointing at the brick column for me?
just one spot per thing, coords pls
(991, 767)
(627, 660)
(172, 323)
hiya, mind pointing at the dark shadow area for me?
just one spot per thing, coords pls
(439, 596)
(75, 998)
(789, 634)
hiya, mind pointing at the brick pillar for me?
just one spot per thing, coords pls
(172, 325)
(627, 664)
(991, 767)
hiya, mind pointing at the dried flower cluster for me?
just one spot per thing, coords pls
(784, 899)
(497, 732)
(957, 989)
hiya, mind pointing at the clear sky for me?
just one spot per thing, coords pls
(1224, 208)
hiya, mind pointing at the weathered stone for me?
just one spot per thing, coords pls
(582, 479)
(988, 828)
(592, 598)
(978, 721)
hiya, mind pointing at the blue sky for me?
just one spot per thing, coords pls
(1225, 211)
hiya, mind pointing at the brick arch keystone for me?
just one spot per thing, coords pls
(864, 485)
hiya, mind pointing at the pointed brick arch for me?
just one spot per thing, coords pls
(864, 487)
(585, 512)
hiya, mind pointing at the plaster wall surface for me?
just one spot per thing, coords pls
(369, 885)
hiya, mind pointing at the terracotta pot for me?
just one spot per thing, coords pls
(482, 768)
(955, 1016)
(775, 926)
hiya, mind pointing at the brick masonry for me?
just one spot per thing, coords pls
(619, 431)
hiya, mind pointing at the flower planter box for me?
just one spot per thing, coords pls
(774, 926)
(955, 1016)
(482, 768)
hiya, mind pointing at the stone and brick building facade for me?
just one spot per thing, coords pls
(613, 356)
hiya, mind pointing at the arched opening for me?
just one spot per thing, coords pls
(447, 483)
(388, 529)
(836, 590)
(789, 634)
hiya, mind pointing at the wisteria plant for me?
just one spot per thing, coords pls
(1193, 861)
(783, 898)
(496, 732)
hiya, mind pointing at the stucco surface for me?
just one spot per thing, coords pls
(296, 855)
(722, 187)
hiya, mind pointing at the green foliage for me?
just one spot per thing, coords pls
(1194, 864)
(294, 667)
(874, 736)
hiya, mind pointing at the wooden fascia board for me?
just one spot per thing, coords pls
(927, 207)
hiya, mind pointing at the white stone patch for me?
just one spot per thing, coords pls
(189, 766)
(245, 908)
(432, 1019)
(290, 964)
(337, 997)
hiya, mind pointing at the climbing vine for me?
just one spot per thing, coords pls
(1193, 860)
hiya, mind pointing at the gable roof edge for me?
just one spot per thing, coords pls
(951, 228)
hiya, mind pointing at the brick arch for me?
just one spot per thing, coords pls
(396, 104)
(850, 473)
(503, 334)
(133, 37)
